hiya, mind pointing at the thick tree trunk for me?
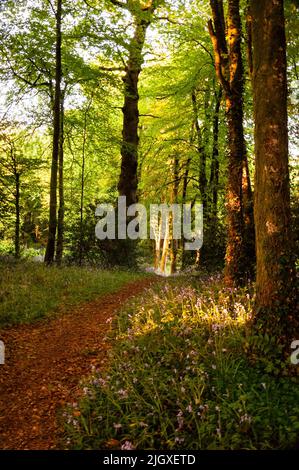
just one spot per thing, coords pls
(60, 224)
(230, 74)
(17, 222)
(249, 41)
(50, 250)
(234, 267)
(128, 183)
(214, 175)
(235, 252)
(275, 285)
(128, 179)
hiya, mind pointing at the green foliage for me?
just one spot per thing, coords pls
(32, 291)
(6, 247)
(178, 379)
(177, 62)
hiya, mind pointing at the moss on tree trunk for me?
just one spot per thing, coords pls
(275, 311)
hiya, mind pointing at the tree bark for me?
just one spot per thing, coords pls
(214, 175)
(248, 217)
(128, 179)
(50, 249)
(275, 310)
(201, 152)
(174, 199)
(165, 248)
(17, 222)
(128, 183)
(229, 70)
(184, 199)
(249, 42)
(60, 224)
(81, 228)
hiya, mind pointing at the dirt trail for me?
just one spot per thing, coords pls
(45, 362)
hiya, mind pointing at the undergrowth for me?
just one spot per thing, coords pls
(178, 378)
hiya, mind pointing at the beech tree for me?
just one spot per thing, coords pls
(229, 69)
(142, 13)
(276, 295)
(50, 250)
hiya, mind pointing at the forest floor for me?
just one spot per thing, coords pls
(45, 362)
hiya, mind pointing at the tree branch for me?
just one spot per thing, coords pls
(118, 3)
(218, 59)
(111, 69)
(149, 115)
(204, 48)
(32, 84)
(166, 18)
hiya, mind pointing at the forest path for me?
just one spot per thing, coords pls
(44, 364)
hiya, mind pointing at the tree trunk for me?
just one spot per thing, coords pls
(158, 246)
(174, 199)
(214, 175)
(128, 179)
(17, 222)
(234, 267)
(249, 41)
(50, 249)
(81, 236)
(60, 225)
(184, 199)
(230, 74)
(127, 185)
(164, 255)
(248, 217)
(201, 152)
(275, 284)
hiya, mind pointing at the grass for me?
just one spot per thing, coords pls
(178, 378)
(32, 291)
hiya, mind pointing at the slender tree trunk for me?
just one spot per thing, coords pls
(184, 199)
(83, 184)
(229, 69)
(165, 249)
(60, 224)
(17, 223)
(158, 245)
(202, 154)
(275, 309)
(214, 175)
(186, 181)
(174, 199)
(248, 217)
(50, 249)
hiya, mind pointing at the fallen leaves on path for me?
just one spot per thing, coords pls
(44, 364)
